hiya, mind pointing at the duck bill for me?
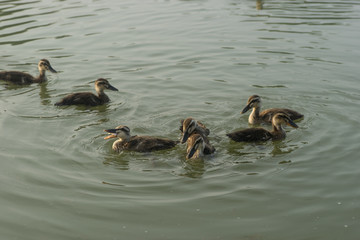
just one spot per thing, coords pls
(112, 133)
(246, 108)
(110, 136)
(191, 153)
(112, 88)
(185, 137)
(292, 124)
(51, 69)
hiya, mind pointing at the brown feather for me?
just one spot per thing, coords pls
(250, 135)
(261, 134)
(15, 77)
(145, 144)
(267, 114)
(256, 116)
(83, 98)
(88, 98)
(22, 78)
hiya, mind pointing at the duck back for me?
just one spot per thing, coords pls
(82, 98)
(209, 149)
(268, 114)
(148, 144)
(17, 77)
(250, 135)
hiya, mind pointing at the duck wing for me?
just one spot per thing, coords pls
(16, 77)
(267, 114)
(209, 149)
(250, 135)
(82, 98)
(149, 144)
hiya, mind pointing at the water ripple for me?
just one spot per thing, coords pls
(174, 59)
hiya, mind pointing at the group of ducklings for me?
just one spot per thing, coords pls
(193, 132)
(81, 98)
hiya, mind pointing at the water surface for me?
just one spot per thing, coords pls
(59, 178)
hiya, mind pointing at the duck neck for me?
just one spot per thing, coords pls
(41, 78)
(119, 143)
(277, 131)
(199, 153)
(101, 94)
(200, 131)
(124, 139)
(255, 115)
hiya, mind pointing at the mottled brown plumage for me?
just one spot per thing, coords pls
(88, 98)
(22, 78)
(261, 134)
(137, 143)
(256, 116)
(190, 126)
(197, 147)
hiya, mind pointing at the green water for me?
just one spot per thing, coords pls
(59, 179)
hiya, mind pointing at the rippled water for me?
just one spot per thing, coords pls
(59, 179)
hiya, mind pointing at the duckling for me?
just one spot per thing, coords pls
(22, 78)
(88, 98)
(137, 143)
(261, 134)
(196, 147)
(190, 126)
(256, 116)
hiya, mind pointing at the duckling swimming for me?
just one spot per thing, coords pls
(261, 134)
(196, 147)
(22, 78)
(190, 127)
(137, 143)
(256, 116)
(88, 98)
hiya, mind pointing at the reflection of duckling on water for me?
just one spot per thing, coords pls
(196, 147)
(137, 143)
(190, 127)
(88, 98)
(256, 116)
(17, 77)
(261, 134)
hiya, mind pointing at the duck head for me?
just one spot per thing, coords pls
(44, 65)
(253, 102)
(101, 84)
(188, 127)
(195, 146)
(281, 118)
(122, 132)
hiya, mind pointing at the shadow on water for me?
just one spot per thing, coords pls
(119, 161)
(153, 162)
(86, 109)
(282, 148)
(250, 152)
(11, 86)
(44, 94)
(259, 4)
(194, 168)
